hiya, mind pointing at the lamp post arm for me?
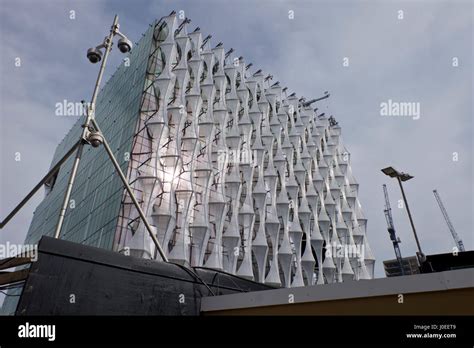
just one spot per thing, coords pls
(108, 47)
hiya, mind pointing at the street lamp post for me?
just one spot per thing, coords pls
(393, 173)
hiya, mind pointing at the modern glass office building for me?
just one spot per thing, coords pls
(232, 170)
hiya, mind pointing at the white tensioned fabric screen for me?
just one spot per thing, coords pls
(238, 175)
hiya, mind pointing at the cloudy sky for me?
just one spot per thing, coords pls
(399, 51)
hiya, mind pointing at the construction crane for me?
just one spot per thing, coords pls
(391, 229)
(456, 238)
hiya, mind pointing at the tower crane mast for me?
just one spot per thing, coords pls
(391, 229)
(457, 240)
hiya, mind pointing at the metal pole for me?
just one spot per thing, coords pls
(108, 48)
(89, 116)
(45, 179)
(67, 195)
(411, 219)
(130, 192)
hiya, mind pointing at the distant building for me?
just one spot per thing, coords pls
(410, 266)
(434, 263)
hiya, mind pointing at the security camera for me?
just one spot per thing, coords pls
(95, 139)
(94, 55)
(124, 45)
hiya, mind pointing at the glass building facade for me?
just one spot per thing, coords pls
(91, 217)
